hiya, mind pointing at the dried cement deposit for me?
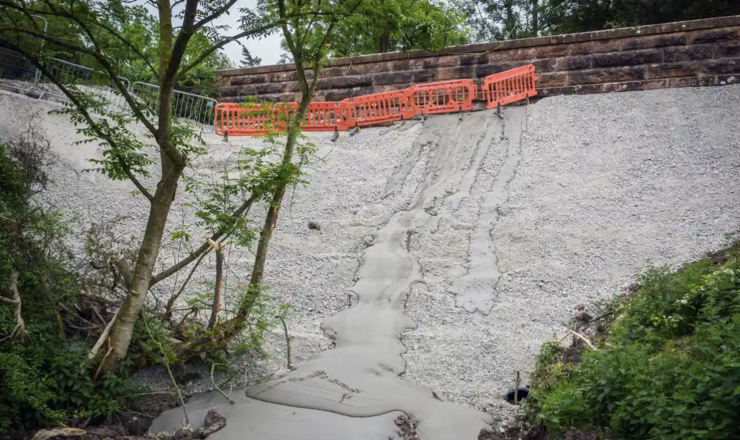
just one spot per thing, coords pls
(470, 240)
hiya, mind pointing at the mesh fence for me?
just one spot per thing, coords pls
(196, 108)
(19, 75)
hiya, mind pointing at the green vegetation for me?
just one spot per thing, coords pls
(381, 26)
(503, 19)
(47, 377)
(666, 364)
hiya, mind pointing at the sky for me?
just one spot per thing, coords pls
(266, 48)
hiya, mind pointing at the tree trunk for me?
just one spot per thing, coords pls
(384, 43)
(123, 329)
(272, 212)
(510, 21)
(535, 17)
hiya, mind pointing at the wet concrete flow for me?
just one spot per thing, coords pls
(359, 376)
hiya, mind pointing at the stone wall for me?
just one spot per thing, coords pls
(682, 54)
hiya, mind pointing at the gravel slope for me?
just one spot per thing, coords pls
(602, 187)
(606, 186)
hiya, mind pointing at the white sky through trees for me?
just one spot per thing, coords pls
(266, 48)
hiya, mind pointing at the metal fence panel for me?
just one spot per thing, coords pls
(16, 72)
(19, 75)
(195, 108)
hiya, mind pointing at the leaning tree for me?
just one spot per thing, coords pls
(83, 27)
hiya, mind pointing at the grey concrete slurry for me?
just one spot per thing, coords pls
(358, 377)
(476, 290)
(248, 419)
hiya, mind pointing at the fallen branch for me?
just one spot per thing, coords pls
(169, 371)
(583, 338)
(20, 327)
(103, 337)
(228, 397)
(600, 317)
(287, 339)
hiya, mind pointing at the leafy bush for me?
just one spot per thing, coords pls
(668, 367)
(45, 374)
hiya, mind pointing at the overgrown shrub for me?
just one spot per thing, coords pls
(45, 373)
(667, 368)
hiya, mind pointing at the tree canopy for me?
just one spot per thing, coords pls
(505, 19)
(398, 25)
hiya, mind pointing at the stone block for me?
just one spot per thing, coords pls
(727, 49)
(249, 79)
(282, 76)
(527, 53)
(599, 76)
(552, 51)
(546, 65)
(573, 63)
(338, 94)
(485, 70)
(629, 58)
(673, 70)
(714, 35)
(589, 47)
(344, 82)
(270, 88)
(722, 66)
(422, 76)
(229, 91)
(460, 72)
(468, 60)
(552, 80)
(333, 72)
(687, 53)
(651, 41)
(380, 79)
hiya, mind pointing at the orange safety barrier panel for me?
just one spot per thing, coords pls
(324, 116)
(443, 97)
(377, 108)
(232, 119)
(510, 86)
(440, 97)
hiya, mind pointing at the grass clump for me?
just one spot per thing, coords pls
(667, 363)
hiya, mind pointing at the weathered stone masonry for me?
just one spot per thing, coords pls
(682, 54)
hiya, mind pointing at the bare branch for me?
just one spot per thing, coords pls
(215, 15)
(583, 338)
(243, 209)
(227, 396)
(287, 339)
(125, 271)
(20, 328)
(103, 337)
(219, 278)
(173, 298)
(223, 43)
(142, 189)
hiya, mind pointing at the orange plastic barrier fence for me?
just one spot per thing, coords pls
(377, 108)
(324, 116)
(443, 97)
(439, 97)
(510, 86)
(234, 120)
